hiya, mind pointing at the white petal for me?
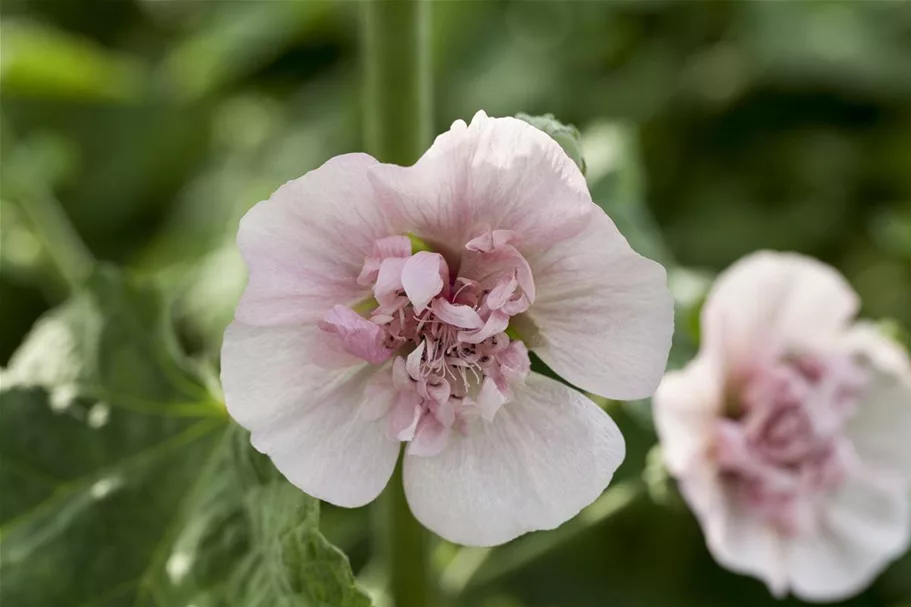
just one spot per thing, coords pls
(497, 173)
(769, 302)
(864, 526)
(306, 245)
(866, 340)
(546, 455)
(317, 425)
(686, 409)
(738, 540)
(603, 312)
(881, 428)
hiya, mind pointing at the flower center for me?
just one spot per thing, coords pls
(446, 331)
(784, 444)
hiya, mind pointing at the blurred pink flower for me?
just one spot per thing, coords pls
(384, 304)
(789, 432)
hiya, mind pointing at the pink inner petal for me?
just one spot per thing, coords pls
(430, 438)
(490, 399)
(457, 315)
(389, 279)
(384, 248)
(784, 444)
(501, 293)
(497, 323)
(490, 240)
(423, 277)
(457, 366)
(359, 337)
(404, 417)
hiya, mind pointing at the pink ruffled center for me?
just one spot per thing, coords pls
(784, 446)
(453, 361)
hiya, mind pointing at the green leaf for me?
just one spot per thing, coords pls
(565, 134)
(235, 41)
(124, 482)
(42, 61)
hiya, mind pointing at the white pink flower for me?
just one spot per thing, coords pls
(393, 304)
(789, 432)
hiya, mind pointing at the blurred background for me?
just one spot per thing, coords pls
(710, 129)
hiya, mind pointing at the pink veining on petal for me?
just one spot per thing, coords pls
(384, 248)
(490, 240)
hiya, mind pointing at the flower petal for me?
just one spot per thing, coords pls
(545, 456)
(457, 315)
(603, 313)
(389, 279)
(497, 322)
(402, 421)
(490, 240)
(488, 268)
(495, 174)
(686, 409)
(864, 526)
(423, 278)
(314, 423)
(430, 438)
(490, 399)
(357, 335)
(391, 246)
(867, 341)
(881, 427)
(305, 246)
(770, 301)
(737, 539)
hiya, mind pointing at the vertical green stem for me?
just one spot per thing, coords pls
(403, 545)
(397, 124)
(396, 49)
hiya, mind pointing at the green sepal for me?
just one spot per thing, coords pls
(566, 135)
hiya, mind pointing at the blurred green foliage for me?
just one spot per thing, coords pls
(709, 129)
(124, 481)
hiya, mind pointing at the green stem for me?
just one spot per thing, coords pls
(397, 124)
(403, 546)
(397, 73)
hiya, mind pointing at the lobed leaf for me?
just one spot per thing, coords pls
(124, 482)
